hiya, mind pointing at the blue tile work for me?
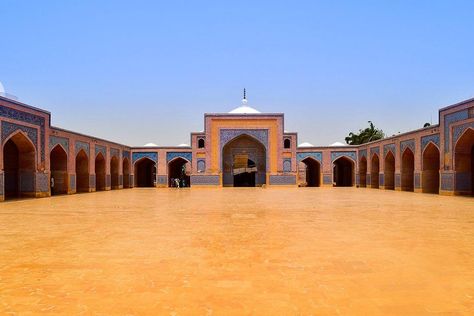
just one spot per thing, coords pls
(108, 181)
(425, 140)
(316, 155)
(162, 179)
(368, 178)
(27, 181)
(287, 165)
(417, 181)
(374, 150)
(448, 120)
(63, 141)
(459, 130)
(227, 135)
(126, 154)
(381, 179)
(100, 149)
(363, 153)
(389, 147)
(10, 128)
(282, 179)
(357, 179)
(204, 180)
(82, 145)
(173, 154)
(327, 179)
(2, 187)
(42, 182)
(92, 181)
(72, 182)
(407, 144)
(27, 118)
(201, 165)
(120, 179)
(337, 154)
(150, 155)
(398, 180)
(447, 181)
(114, 152)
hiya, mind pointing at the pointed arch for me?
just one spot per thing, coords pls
(408, 170)
(100, 173)
(464, 163)
(59, 170)
(374, 171)
(126, 172)
(145, 172)
(430, 169)
(310, 172)
(114, 173)
(82, 171)
(179, 168)
(363, 172)
(343, 171)
(389, 171)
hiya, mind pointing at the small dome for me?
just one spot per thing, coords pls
(183, 145)
(244, 109)
(305, 144)
(2, 89)
(337, 144)
(150, 145)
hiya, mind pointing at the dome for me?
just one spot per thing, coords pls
(305, 144)
(183, 145)
(2, 89)
(244, 109)
(150, 145)
(337, 144)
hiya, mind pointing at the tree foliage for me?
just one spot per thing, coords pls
(366, 135)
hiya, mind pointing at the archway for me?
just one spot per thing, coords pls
(430, 173)
(145, 173)
(179, 168)
(311, 171)
(363, 172)
(389, 171)
(19, 167)
(374, 172)
(343, 172)
(99, 172)
(408, 170)
(114, 173)
(244, 162)
(82, 172)
(464, 163)
(126, 172)
(58, 163)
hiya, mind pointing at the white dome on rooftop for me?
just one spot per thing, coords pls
(2, 89)
(183, 145)
(243, 109)
(336, 144)
(305, 144)
(150, 145)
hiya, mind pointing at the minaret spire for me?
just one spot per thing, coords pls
(244, 100)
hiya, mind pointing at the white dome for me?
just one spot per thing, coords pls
(150, 145)
(244, 109)
(337, 144)
(183, 145)
(2, 89)
(305, 144)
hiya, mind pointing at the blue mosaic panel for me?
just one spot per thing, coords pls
(425, 140)
(448, 120)
(357, 179)
(417, 181)
(227, 135)
(63, 141)
(42, 182)
(185, 155)
(350, 154)
(389, 147)
(363, 153)
(27, 118)
(316, 155)
(100, 149)
(459, 130)
(82, 145)
(92, 181)
(108, 181)
(407, 144)
(10, 128)
(398, 180)
(287, 165)
(114, 152)
(201, 165)
(368, 178)
(2, 186)
(381, 179)
(447, 181)
(27, 181)
(150, 155)
(327, 179)
(282, 179)
(374, 150)
(72, 182)
(162, 180)
(204, 180)
(125, 154)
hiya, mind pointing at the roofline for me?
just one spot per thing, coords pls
(163, 147)
(243, 114)
(400, 135)
(88, 136)
(24, 104)
(456, 104)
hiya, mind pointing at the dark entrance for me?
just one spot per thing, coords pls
(363, 172)
(244, 175)
(126, 173)
(464, 163)
(114, 173)
(145, 173)
(312, 172)
(180, 169)
(408, 170)
(343, 172)
(82, 172)
(100, 172)
(430, 175)
(58, 162)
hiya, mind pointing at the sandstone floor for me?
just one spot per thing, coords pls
(238, 251)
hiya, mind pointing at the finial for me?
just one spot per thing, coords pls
(244, 100)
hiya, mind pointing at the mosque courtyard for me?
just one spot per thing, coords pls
(238, 251)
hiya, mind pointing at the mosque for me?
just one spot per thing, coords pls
(240, 148)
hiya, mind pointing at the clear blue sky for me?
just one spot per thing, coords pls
(146, 71)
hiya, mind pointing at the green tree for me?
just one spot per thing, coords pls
(366, 135)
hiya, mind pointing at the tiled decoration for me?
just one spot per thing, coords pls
(162, 179)
(10, 128)
(100, 149)
(204, 180)
(316, 155)
(374, 150)
(42, 182)
(150, 155)
(410, 143)
(425, 140)
(381, 179)
(349, 154)
(417, 181)
(459, 130)
(287, 165)
(72, 182)
(126, 154)
(282, 179)
(63, 141)
(463, 181)
(27, 118)
(363, 153)
(447, 181)
(201, 165)
(226, 135)
(170, 155)
(327, 179)
(448, 120)
(114, 152)
(398, 180)
(84, 146)
(387, 148)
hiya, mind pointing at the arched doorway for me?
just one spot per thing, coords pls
(244, 162)
(145, 173)
(408, 170)
(389, 171)
(179, 168)
(311, 170)
(99, 172)
(19, 167)
(126, 172)
(363, 172)
(343, 172)
(82, 172)
(114, 173)
(58, 163)
(374, 172)
(464, 163)
(430, 173)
